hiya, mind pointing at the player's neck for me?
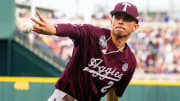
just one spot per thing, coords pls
(119, 41)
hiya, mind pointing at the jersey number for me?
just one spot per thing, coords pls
(105, 88)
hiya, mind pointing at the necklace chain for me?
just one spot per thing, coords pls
(105, 50)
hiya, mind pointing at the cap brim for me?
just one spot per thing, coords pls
(118, 12)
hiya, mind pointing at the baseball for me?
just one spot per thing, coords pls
(27, 27)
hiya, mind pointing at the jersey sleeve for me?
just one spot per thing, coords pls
(74, 31)
(122, 85)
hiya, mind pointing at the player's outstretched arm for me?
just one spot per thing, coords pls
(42, 26)
(111, 96)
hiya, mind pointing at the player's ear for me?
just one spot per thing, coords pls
(136, 26)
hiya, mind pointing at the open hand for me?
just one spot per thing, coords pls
(43, 27)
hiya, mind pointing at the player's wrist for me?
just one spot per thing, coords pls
(53, 30)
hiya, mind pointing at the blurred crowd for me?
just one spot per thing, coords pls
(157, 49)
(156, 44)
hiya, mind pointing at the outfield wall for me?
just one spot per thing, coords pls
(39, 89)
(26, 88)
(16, 60)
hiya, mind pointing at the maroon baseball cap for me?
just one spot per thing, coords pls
(127, 8)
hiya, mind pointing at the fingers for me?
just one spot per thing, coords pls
(38, 22)
(37, 31)
(38, 28)
(40, 17)
(41, 24)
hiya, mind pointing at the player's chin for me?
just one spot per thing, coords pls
(119, 33)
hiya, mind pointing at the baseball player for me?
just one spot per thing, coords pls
(102, 62)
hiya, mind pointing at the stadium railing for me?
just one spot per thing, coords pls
(37, 48)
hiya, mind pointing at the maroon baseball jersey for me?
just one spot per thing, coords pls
(96, 65)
